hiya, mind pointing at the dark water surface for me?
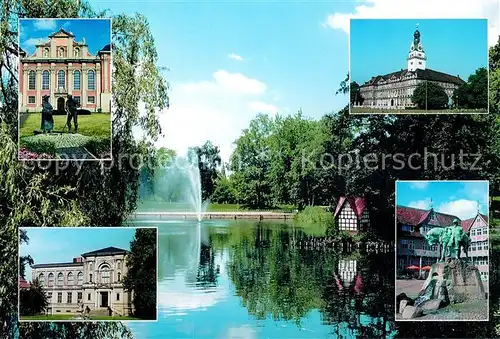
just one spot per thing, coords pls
(233, 279)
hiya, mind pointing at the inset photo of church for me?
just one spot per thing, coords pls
(418, 66)
(442, 251)
(65, 77)
(88, 273)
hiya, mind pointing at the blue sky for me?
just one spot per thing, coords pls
(460, 198)
(62, 244)
(453, 46)
(230, 60)
(96, 32)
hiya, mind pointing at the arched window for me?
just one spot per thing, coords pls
(46, 52)
(51, 279)
(61, 52)
(76, 80)
(31, 80)
(77, 52)
(104, 270)
(80, 278)
(119, 265)
(45, 79)
(41, 279)
(60, 279)
(90, 277)
(61, 79)
(70, 278)
(91, 80)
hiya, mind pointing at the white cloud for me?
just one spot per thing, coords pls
(34, 41)
(262, 107)
(419, 185)
(216, 110)
(235, 56)
(422, 204)
(462, 208)
(235, 83)
(423, 9)
(44, 24)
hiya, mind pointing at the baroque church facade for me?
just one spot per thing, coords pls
(62, 66)
(93, 281)
(395, 90)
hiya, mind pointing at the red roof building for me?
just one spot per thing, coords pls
(23, 284)
(352, 215)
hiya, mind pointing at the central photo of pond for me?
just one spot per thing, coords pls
(256, 279)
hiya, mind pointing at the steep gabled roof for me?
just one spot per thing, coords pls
(467, 223)
(484, 216)
(416, 216)
(358, 205)
(105, 251)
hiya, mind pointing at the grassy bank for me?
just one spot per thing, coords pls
(162, 206)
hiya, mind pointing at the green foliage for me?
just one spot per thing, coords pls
(474, 93)
(141, 273)
(316, 215)
(224, 192)
(73, 194)
(430, 95)
(99, 146)
(209, 161)
(38, 144)
(33, 301)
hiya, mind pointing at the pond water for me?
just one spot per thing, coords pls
(234, 279)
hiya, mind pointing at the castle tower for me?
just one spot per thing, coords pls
(416, 57)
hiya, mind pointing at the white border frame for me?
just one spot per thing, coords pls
(409, 112)
(396, 252)
(111, 88)
(96, 228)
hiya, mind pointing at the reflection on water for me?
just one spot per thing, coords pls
(246, 280)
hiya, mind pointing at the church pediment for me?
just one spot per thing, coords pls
(61, 33)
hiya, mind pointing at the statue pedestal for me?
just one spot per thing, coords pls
(455, 282)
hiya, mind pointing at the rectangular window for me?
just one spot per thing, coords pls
(91, 100)
(77, 99)
(411, 245)
(70, 297)
(473, 233)
(485, 231)
(89, 297)
(59, 297)
(118, 296)
(31, 99)
(79, 296)
(49, 297)
(479, 231)
(479, 246)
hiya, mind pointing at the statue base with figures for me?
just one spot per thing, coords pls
(452, 281)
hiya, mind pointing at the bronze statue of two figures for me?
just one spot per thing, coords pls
(451, 239)
(71, 106)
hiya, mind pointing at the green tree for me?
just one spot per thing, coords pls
(91, 193)
(141, 274)
(251, 161)
(429, 95)
(209, 162)
(224, 192)
(478, 88)
(33, 300)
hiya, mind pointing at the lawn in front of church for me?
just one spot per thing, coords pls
(93, 125)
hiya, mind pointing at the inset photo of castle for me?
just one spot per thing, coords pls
(65, 89)
(87, 273)
(442, 253)
(418, 66)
